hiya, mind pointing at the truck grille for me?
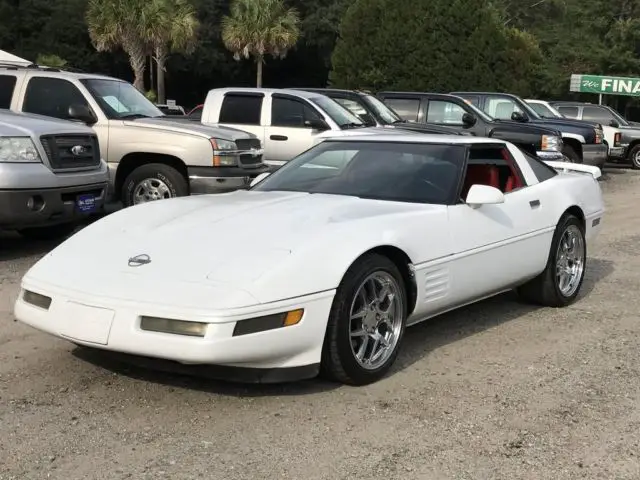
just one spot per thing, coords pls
(248, 159)
(71, 151)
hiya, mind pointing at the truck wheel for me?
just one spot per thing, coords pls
(153, 181)
(53, 232)
(571, 154)
(634, 157)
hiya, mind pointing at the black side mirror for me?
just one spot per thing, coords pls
(614, 124)
(519, 117)
(82, 113)
(468, 120)
(317, 124)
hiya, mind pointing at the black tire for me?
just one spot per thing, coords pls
(569, 152)
(166, 174)
(53, 232)
(338, 360)
(544, 289)
(634, 157)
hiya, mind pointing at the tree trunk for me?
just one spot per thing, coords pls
(259, 62)
(138, 61)
(161, 60)
(151, 73)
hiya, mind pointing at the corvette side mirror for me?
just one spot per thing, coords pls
(483, 195)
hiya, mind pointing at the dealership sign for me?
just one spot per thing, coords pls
(605, 85)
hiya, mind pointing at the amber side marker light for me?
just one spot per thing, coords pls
(175, 327)
(37, 300)
(268, 322)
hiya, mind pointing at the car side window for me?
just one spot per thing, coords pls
(241, 109)
(286, 112)
(493, 166)
(356, 108)
(541, 170)
(7, 85)
(52, 97)
(444, 113)
(407, 108)
(569, 112)
(501, 108)
(597, 114)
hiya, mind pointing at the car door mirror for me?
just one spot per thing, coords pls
(259, 178)
(614, 124)
(82, 113)
(468, 120)
(519, 117)
(317, 124)
(483, 195)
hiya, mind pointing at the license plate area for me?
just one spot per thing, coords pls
(86, 203)
(86, 323)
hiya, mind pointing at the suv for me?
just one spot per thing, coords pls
(583, 141)
(150, 156)
(453, 112)
(630, 133)
(375, 113)
(51, 175)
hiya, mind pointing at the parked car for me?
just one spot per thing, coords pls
(150, 156)
(583, 141)
(51, 175)
(612, 135)
(453, 112)
(287, 121)
(630, 131)
(424, 224)
(375, 113)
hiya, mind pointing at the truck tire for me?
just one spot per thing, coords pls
(634, 157)
(153, 181)
(571, 154)
(53, 232)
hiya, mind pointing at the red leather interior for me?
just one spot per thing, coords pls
(481, 175)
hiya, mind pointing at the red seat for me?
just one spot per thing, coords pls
(511, 184)
(481, 175)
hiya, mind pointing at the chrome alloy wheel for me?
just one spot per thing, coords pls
(376, 318)
(570, 259)
(149, 190)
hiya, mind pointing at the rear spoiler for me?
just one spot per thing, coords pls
(564, 167)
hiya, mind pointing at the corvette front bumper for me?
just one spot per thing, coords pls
(107, 324)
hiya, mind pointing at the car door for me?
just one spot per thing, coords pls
(439, 111)
(498, 246)
(593, 113)
(245, 111)
(408, 108)
(286, 134)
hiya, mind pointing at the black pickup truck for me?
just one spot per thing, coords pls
(583, 141)
(454, 112)
(375, 113)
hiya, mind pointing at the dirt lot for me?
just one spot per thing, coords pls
(496, 391)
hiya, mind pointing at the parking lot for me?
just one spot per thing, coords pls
(499, 390)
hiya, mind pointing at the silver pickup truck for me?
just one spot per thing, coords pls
(150, 156)
(51, 175)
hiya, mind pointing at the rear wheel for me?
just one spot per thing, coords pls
(153, 181)
(53, 232)
(634, 157)
(560, 283)
(366, 323)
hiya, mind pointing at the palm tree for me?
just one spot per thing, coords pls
(171, 25)
(256, 28)
(120, 23)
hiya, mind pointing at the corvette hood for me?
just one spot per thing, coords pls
(230, 240)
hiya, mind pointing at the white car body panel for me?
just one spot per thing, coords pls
(222, 258)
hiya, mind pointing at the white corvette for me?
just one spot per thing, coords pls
(321, 265)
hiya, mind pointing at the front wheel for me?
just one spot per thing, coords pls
(571, 154)
(634, 157)
(366, 323)
(559, 284)
(153, 181)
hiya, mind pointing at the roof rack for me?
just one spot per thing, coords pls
(35, 66)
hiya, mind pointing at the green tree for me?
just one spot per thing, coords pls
(172, 25)
(121, 23)
(436, 45)
(50, 60)
(256, 28)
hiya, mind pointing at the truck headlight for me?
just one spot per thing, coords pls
(225, 153)
(551, 143)
(18, 150)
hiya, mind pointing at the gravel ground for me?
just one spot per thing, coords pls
(499, 390)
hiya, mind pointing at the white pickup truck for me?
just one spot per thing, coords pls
(287, 121)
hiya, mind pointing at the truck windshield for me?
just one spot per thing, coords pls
(343, 117)
(383, 111)
(120, 100)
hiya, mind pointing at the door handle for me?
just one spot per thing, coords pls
(279, 138)
(534, 203)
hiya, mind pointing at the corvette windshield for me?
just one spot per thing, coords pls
(393, 171)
